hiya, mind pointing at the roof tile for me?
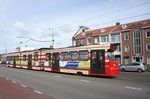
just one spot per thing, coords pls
(112, 29)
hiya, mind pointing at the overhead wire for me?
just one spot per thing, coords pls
(120, 19)
(107, 13)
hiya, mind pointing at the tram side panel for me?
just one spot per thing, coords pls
(32, 60)
(27, 58)
(24, 60)
(47, 60)
(36, 61)
(76, 62)
(81, 62)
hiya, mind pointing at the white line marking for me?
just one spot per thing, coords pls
(23, 86)
(38, 92)
(84, 80)
(14, 82)
(133, 88)
(57, 76)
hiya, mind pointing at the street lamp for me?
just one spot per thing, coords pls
(52, 36)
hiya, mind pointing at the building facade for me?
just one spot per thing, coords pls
(132, 40)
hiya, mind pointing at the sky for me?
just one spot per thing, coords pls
(29, 24)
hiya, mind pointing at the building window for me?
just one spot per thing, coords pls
(137, 41)
(89, 40)
(126, 48)
(77, 42)
(118, 48)
(126, 60)
(82, 42)
(118, 59)
(148, 60)
(126, 37)
(96, 40)
(148, 34)
(148, 47)
(115, 38)
(104, 39)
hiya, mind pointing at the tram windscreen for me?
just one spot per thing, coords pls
(111, 56)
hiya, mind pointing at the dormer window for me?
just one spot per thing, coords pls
(102, 30)
(124, 26)
(83, 34)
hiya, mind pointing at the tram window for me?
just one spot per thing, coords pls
(17, 57)
(64, 56)
(83, 55)
(24, 57)
(12, 57)
(8, 58)
(48, 56)
(73, 56)
(36, 56)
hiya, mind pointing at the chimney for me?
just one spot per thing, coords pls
(117, 23)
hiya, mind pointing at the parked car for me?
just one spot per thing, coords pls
(139, 67)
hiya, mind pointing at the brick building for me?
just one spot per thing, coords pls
(132, 40)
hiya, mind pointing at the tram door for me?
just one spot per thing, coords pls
(97, 61)
(14, 61)
(55, 62)
(29, 62)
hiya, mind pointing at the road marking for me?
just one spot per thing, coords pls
(23, 86)
(14, 82)
(134, 88)
(57, 76)
(38, 92)
(84, 80)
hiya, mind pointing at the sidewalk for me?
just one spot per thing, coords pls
(12, 90)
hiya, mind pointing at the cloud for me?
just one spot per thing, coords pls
(21, 28)
(46, 33)
(66, 29)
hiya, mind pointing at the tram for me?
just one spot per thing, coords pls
(96, 60)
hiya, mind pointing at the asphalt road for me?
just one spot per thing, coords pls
(129, 85)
